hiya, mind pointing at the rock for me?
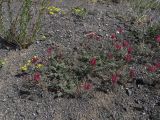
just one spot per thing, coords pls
(138, 108)
(24, 93)
(128, 91)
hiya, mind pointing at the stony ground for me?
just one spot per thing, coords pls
(21, 102)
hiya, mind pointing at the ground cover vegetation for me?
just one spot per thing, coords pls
(125, 54)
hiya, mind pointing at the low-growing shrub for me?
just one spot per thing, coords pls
(112, 59)
(21, 27)
(79, 11)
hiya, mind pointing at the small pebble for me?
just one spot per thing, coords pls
(128, 91)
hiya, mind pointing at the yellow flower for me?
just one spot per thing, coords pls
(57, 9)
(29, 63)
(51, 13)
(24, 68)
(39, 66)
(52, 10)
(49, 8)
(78, 10)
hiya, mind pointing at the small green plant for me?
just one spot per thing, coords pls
(53, 10)
(142, 10)
(23, 26)
(79, 11)
(2, 62)
(144, 5)
(152, 32)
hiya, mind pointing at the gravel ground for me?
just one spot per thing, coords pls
(21, 102)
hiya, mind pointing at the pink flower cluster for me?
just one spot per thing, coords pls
(35, 59)
(153, 68)
(37, 76)
(93, 61)
(158, 38)
(87, 86)
(122, 44)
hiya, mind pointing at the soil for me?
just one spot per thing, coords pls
(138, 100)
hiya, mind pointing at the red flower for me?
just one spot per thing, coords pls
(130, 49)
(128, 57)
(34, 59)
(92, 61)
(120, 30)
(152, 68)
(110, 55)
(37, 76)
(113, 36)
(158, 38)
(118, 46)
(87, 86)
(132, 73)
(157, 65)
(49, 51)
(114, 79)
(125, 43)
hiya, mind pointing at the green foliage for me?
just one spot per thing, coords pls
(142, 10)
(63, 73)
(1, 20)
(152, 32)
(144, 5)
(96, 56)
(1, 63)
(24, 26)
(78, 11)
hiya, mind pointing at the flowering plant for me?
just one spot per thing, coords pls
(78, 11)
(53, 10)
(96, 56)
